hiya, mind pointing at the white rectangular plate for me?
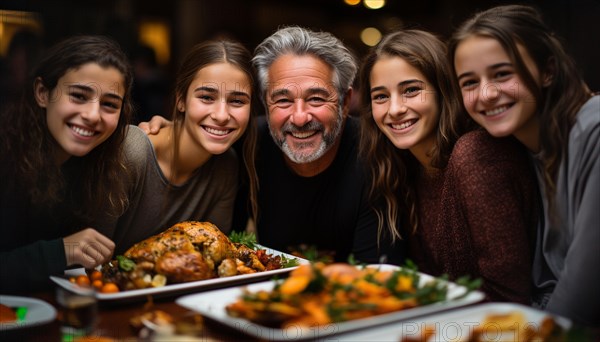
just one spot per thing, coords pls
(456, 325)
(212, 305)
(174, 289)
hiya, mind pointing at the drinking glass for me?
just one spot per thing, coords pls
(78, 312)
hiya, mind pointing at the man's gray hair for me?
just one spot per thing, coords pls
(300, 41)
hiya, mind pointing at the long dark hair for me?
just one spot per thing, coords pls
(200, 56)
(393, 170)
(558, 103)
(25, 141)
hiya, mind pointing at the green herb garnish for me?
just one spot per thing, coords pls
(245, 238)
(125, 264)
(470, 284)
(352, 260)
(21, 313)
(317, 283)
(289, 262)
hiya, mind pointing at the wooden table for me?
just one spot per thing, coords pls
(113, 322)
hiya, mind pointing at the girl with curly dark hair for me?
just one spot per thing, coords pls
(61, 164)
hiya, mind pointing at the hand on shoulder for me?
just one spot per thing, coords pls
(154, 125)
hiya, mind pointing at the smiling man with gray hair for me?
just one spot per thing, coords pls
(312, 188)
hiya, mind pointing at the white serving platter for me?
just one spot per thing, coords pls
(181, 288)
(212, 305)
(456, 325)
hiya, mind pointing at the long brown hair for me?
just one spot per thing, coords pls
(200, 56)
(392, 170)
(558, 103)
(95, 180)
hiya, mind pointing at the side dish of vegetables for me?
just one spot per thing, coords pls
(318, 294)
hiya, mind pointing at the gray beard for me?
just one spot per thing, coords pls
(326, 143)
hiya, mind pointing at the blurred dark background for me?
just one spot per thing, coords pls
(156, 34)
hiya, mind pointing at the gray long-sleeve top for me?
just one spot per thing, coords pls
(567, 262)
(155, 205)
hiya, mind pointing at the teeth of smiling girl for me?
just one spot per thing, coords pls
(302, 135)
(496, 111)
(404, 124)
(216, 131)
(81, 131)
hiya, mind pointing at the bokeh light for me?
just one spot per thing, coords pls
(374, 4)
(370, 36)
(156, 34)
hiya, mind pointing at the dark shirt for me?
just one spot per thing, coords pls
(31, 247)
(330, 211)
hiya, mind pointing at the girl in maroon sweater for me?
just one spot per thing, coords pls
(464, 200)
(555, 115)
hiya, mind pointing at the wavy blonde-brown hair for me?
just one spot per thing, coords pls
(393, 171)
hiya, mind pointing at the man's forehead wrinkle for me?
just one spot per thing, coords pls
(282, 91)
(294, 89)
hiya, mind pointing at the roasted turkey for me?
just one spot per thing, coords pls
(188, 251)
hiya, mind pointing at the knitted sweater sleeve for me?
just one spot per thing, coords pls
(496, 187)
